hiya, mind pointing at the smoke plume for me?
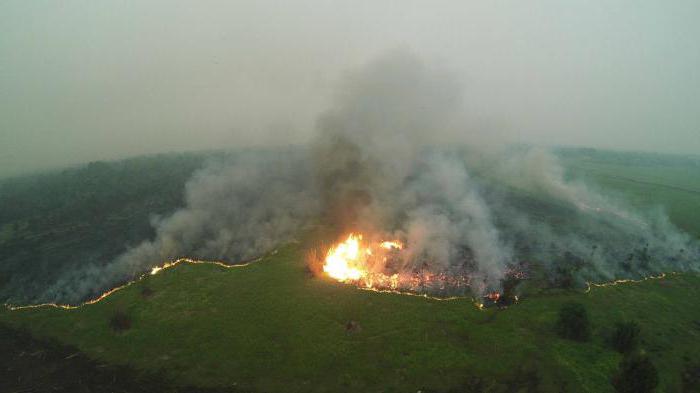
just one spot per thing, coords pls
(379, 165)
(236, 210)
(380, 170)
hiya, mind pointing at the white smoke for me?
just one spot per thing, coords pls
(236, 210)
(375, 166)
(380, 168)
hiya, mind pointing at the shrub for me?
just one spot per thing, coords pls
(120, 321)
(625, 337)
(690, 377)
(146, 291)
(637, 374)
(573, 322)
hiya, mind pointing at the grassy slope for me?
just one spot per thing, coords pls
(270, 327)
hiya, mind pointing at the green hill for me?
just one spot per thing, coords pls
(270, 326)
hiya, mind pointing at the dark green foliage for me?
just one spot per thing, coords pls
(625, 337)
(146, 291)
(690, 377)
(566, 269)
(29, 365)
(87, 215)
(638, 259)
(526, 379)
(637, 374)
(573, 322)
(470, 385)
(120, 321)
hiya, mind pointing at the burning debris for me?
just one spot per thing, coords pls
(497, 299)
(378, 266)
(375, 265)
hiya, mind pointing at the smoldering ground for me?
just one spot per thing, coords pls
(390, 157)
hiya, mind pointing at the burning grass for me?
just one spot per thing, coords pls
(377, 265)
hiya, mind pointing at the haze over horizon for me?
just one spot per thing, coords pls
(83, 81)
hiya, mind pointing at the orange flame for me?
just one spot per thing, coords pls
(343, 261)
(350, 261)
(395, 244)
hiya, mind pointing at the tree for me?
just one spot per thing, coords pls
(573, 322)
(637, 374)
(625, 337)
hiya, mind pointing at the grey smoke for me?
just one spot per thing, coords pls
(386, 159)
(368, 141)
(566, 224)
(381, 167)
(236, 210)
(377, 173)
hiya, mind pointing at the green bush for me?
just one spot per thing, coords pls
(625, 337)
(573, 322)
(637, 374)
(120, 321)
(690, 377)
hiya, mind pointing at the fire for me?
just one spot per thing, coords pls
(372, 265)
(153, 271)
(494, 296)
(350, 261)
(589, 284)
(343, 260)
(369, 265)
(395, 244)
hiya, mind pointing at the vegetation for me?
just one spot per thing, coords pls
(625, 337)
(82, 216)
(573, 322)
(637, 374)
(691, 377)
(120, 321)
(30, 365)
(271, 327)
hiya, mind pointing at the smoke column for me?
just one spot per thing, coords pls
(379, 164)
(377, 170)
(236, 210)
(380, 169)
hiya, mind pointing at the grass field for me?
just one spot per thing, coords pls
(270, 327)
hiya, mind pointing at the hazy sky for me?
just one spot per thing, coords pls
(88, 80)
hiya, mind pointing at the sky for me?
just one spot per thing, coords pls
(98, 80)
